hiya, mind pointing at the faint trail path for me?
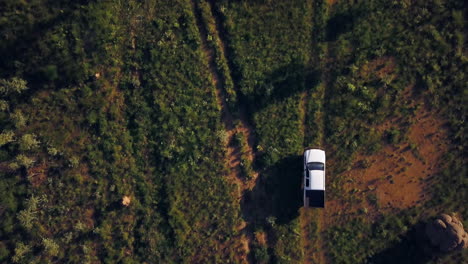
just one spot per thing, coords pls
(233, 153)
(312, 220)
(245, 125)
(322, 213)
(304, 213)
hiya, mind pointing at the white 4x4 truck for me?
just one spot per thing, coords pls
(314, 178)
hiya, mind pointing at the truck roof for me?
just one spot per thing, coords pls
(317, 180)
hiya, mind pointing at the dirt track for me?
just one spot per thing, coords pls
(233, 152)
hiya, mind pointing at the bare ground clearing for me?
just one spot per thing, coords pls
(397, 176)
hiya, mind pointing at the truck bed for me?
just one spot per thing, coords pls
(314, 198)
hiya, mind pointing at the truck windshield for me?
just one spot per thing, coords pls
(315, 166)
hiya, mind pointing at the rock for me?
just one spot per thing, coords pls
(126, 201)
(446, 232)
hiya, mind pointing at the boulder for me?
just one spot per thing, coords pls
(126, 201)
(446, 232)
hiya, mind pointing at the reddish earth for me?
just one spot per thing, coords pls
(89, 218)
(382, 67)
(38, 174)
(261, 238)
(412, 166)
(84, 171)
(396, 176)
(305, 242)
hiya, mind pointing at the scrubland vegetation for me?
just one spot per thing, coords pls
(376, 56)
(105, 99)
(123, 121)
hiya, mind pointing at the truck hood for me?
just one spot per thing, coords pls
(314, 155)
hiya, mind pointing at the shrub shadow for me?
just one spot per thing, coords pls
(27, 35)
(413, 248)
(280, 85)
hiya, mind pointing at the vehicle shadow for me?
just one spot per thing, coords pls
(277, 194)
(413, 248)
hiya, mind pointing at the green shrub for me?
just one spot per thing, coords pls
(28, 142)
(393, 136)
(50, 72)
(21, 252)
(13, 85)
(22, 161)
(261, 255)
(4, 252)
(50, 246)
(19, 119)
(6, 137)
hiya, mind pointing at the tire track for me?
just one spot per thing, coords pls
(312, 219)
(233, 124)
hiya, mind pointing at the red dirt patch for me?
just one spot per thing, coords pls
(395, 177)
(381, 68)
(244, 248)
(261, 238)
(84, 172)
(38, 174)
(412, 163)
(89, 218)
(312, 239)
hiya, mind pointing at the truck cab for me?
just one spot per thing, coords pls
(314, 178)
